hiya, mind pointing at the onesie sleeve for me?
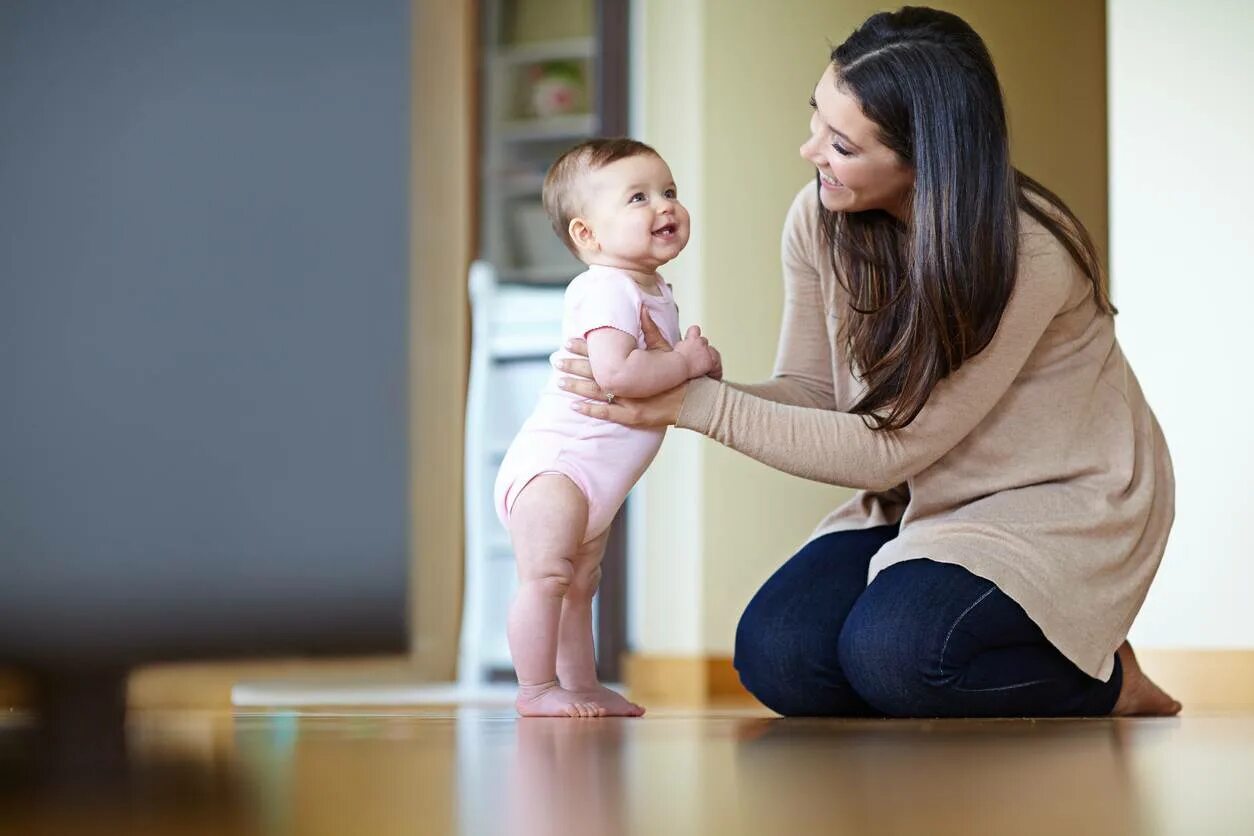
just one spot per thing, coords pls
(606, 301)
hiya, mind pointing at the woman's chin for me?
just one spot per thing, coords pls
(834, 200)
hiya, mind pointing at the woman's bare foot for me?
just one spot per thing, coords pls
(1139, 696)
(614, 703)
(551, 700)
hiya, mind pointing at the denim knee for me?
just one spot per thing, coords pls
(890, 670)
(758, 658)
(790, 665)
(776, 660)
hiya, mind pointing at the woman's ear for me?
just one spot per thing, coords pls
(583, 236)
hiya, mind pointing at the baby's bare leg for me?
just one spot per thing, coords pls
(546, 526)
(576, 657)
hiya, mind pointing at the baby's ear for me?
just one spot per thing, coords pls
(583, 236)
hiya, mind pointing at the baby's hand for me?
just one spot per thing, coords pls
(699, 357)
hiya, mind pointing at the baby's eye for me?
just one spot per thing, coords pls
(637, 197)
(670, 194)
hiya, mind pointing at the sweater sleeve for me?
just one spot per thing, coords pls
(803, 360)
(839, 448)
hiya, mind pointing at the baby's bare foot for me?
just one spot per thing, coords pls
(614, 703)
(1139, 696)
(550, 700)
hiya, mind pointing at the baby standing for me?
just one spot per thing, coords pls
(615, 205)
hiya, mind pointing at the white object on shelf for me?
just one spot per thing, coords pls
(514, 329)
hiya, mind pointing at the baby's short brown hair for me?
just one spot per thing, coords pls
(562, 199)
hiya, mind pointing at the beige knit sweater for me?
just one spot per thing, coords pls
(1038, 465)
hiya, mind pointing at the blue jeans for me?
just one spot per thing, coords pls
(924, 639)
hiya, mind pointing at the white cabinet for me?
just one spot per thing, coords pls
(515, 329)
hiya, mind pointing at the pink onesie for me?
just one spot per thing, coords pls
(602, 458)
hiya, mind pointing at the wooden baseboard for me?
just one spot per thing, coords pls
(1204, 680)
(683, 680)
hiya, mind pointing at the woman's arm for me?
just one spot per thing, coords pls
(839, 448)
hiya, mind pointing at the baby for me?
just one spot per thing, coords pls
(613, 202)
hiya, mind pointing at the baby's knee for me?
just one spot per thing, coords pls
(584, 582)
(553, 576)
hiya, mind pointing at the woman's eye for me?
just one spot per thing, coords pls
(842, 150)
(637, 197)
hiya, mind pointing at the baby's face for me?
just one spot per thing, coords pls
(634, 213)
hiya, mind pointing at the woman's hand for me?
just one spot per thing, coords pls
(717, 371)
(661, 410)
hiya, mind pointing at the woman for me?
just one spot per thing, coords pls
(948, 348)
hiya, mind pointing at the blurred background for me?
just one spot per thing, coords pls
(251, 402)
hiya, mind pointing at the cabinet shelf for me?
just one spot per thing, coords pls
(552, 128)
(540, 51)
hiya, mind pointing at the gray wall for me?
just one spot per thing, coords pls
(203, 290)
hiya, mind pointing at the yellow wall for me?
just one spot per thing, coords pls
(1182, 272)
(748, 69)
(666, 543)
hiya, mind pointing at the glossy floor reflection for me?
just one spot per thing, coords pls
(477, 772)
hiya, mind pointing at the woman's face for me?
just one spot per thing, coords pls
(857, 172)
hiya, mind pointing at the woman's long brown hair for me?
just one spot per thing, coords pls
(927, 295)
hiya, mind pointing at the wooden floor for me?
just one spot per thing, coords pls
(407, 771)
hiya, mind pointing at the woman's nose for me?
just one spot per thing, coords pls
(807, 149)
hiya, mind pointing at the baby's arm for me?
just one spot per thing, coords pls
(620, 367)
